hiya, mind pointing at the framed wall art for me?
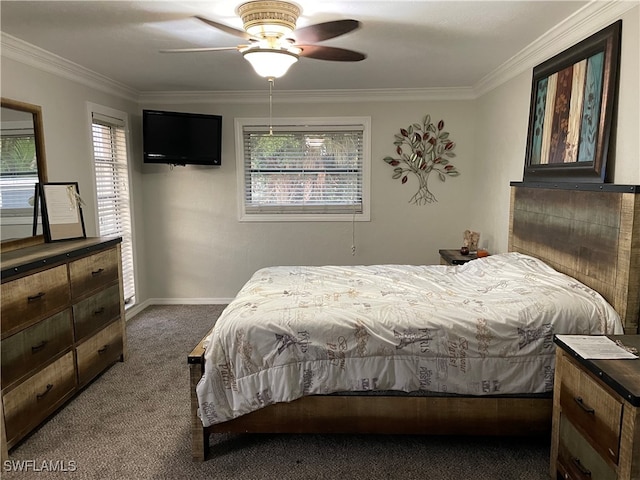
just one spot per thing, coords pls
(61, 211)
(573, 102)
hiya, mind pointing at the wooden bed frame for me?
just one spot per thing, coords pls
(591, 232)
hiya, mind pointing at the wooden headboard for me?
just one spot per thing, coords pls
(588, 231)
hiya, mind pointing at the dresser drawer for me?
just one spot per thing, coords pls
(34, 346)
(577, 460)
(99, 351)
(36, 398)
(93, 273)
(30, 299)
(93, 313)
(591, 409)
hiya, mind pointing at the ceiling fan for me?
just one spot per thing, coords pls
(274, 44)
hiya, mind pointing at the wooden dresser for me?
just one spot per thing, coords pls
(62, 324)
(596, 416)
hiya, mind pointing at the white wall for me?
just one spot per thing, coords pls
(627, 139)
(201, 250)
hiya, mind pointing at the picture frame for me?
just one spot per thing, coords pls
(571, 117)
(61, 211)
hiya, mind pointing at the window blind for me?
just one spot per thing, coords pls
(112, 189)
(18, 169)
(303, 170)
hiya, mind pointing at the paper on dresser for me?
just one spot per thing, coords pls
(596, 347)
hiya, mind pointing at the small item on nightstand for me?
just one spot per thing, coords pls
(464, 251)
(482, 253)
(470, 240)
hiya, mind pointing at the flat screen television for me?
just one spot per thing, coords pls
(181, 138)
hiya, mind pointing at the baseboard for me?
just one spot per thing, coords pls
(139, 307)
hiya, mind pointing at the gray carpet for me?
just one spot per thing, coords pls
(133, 423)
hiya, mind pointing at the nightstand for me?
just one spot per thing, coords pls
(454, 257)
(596, 416)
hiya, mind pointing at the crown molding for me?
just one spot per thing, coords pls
(585, 22)
(46, 61)
(41, 59)
(310, 96)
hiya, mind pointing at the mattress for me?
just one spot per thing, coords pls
(482, 328)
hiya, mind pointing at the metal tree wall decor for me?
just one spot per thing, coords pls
(423, 149)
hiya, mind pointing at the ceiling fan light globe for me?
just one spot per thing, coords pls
(270, 63)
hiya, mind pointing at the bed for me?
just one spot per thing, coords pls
(387, 366)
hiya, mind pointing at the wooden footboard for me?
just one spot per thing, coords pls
(377, 414)
(199, 434)
(399, 415)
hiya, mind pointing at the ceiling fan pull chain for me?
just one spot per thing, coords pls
(271, 80)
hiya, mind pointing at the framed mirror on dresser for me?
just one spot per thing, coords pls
(22, 164)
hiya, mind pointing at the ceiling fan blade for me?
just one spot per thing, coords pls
(226, 28)
(320, 52)
(201, 49)
(325, 31)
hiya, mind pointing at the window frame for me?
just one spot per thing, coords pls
(360, 122)
(118, 117)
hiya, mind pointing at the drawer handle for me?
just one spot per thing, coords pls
(103, 349)
(40, 346)
(97, 272)
(40, 396)
(581, 468)
(33, 298)
(98, 311)
(584, 407)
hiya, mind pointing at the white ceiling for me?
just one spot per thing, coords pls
(410, 44)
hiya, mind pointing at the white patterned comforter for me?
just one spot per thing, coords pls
(483, 328)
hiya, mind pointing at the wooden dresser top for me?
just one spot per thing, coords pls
(23, 260)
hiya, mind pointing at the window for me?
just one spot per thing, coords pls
(305, 169)
(18, 169)
(112, 187)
